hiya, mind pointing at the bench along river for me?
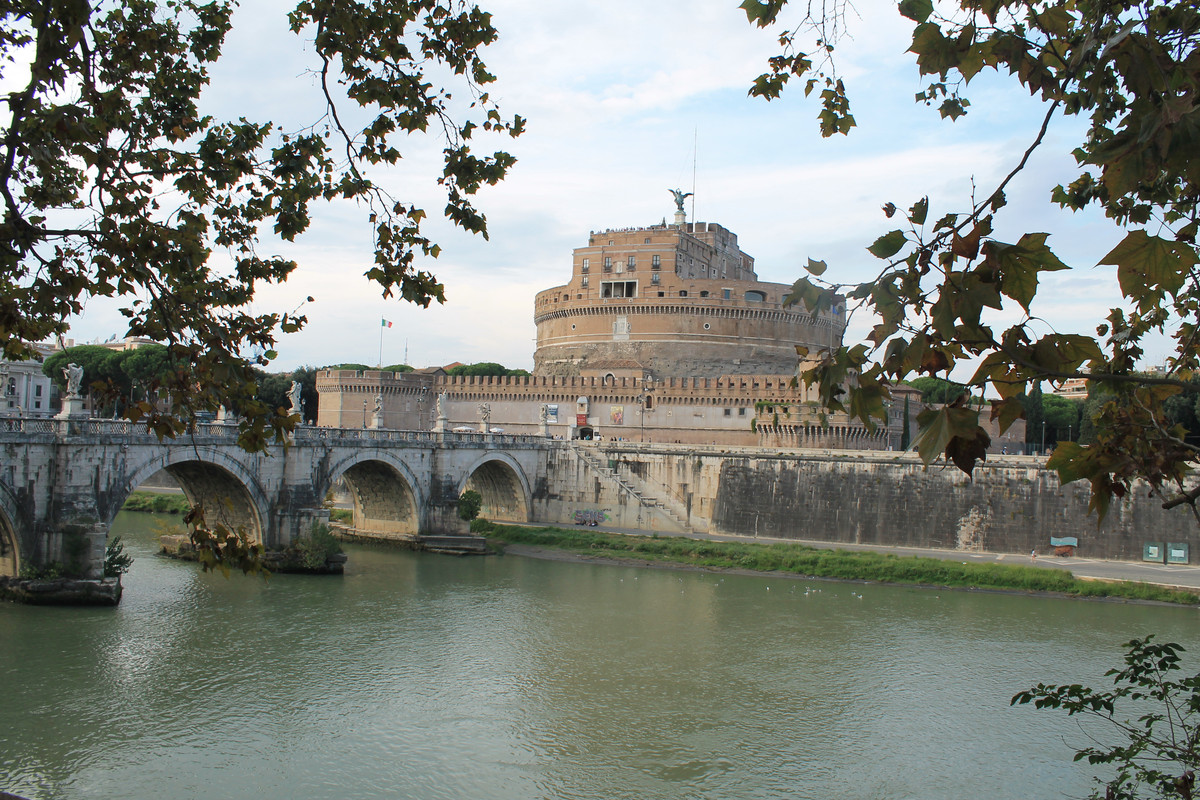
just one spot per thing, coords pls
(423, 676)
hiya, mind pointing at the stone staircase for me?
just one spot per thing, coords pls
(626, 484)
(468, 545)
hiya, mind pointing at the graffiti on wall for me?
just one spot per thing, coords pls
(590, 516)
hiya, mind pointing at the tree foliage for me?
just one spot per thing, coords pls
(1155, 713)
(114, 183)
(485, 368)
(1133, 70)
(469, 504)
(117, 379)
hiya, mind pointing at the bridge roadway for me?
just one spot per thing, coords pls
(63, 480)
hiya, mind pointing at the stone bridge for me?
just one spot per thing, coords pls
(63, 480)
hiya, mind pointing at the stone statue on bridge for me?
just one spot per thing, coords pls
(74, 375)
(296, 400)
(377, 416)
(441, 405)
(485, 417)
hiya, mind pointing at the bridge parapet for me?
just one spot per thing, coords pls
(108, 428)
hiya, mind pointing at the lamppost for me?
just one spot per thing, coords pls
(1069, 439)
(642, 415)
(1043, 436)
(364, 414)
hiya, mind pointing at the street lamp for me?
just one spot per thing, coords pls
(642, 416)
(364, 414)
(1043, 436)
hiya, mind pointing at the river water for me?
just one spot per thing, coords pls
(423, 676)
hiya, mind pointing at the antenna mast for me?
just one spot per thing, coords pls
(695, 149)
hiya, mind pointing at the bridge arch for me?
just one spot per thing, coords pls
(502, 484)
(10, 551)
(385, 493)
(227, 489)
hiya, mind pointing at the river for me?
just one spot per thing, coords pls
(425, 677)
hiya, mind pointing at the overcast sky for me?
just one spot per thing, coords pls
(626, 100)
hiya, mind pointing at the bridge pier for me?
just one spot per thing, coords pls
(296, 523)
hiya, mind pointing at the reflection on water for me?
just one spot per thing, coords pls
(421, 676)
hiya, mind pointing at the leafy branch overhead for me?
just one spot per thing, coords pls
(1133, 70)
(115, 184)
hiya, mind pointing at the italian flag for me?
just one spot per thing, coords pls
(386, 323)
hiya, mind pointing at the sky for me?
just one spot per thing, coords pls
(624, 102)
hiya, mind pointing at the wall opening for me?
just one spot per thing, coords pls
(10, 564)
(501, 490)
(382, 500)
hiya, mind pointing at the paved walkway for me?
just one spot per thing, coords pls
(1175, 575)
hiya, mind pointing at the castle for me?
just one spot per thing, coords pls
(662, 334)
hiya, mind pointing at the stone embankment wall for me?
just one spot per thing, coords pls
(1012, 504)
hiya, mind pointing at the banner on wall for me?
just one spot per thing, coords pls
(581, 420)
(616, 415)
(552, 413)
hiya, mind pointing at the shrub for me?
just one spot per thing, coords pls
(469, 505)
(116, 560)
(318, 547)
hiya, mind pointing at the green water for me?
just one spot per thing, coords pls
(421, 676)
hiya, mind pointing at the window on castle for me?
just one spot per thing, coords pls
(728, 412)
(585, 265)
(585, 281)
(726, 293)
(654, 279)
(756, 297)
(704, 293)
(741, 412)
(655, 262)
(683, 292)
(618, 289)
(608, 263)
(631, 262)
(37, 390)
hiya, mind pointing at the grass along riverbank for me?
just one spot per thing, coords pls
(156, 503)
(797, 559)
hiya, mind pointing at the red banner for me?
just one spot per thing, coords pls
(581, 420)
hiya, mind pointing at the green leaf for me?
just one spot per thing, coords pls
(1019, 264)
(916, 10)
(942, 425)
(916, 214)
(1149, 265)
(816, 267)
(887, 245)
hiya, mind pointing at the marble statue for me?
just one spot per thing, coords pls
(295, 399)
(74, 376)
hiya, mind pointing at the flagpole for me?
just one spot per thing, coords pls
(381, 327)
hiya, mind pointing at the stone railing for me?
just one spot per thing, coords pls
(220, 430)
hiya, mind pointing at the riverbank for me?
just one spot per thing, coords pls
(802, 561)
(156, 502)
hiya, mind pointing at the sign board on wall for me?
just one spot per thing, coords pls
(581, 420)
(616, 415)
(552, 413)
